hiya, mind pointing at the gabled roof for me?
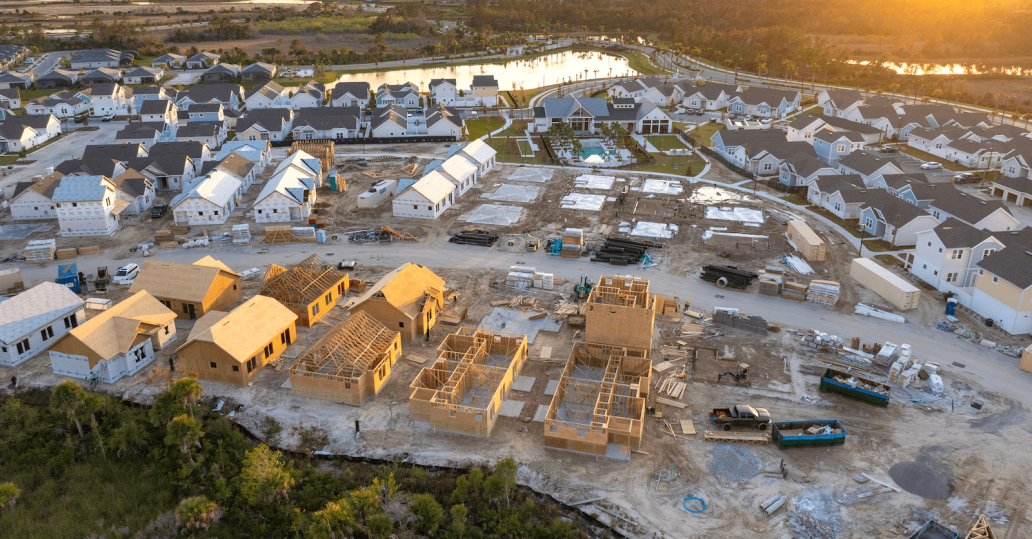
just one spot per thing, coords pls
(563, 107)
(203, 93)
(803, 121)
(170, 57)
(233, 163)
(140, 130)
(189, 283)
(316, 90)
(888, 211)
(199, 129)
(121, 152)
(326, 118)
(132, 183)
(161, 165)
(965, 207)
(14, 126)
(291, 183)
(232, 69)
(62, 74)
(754, 95)
(832, 136)
(479, 151)
(107, 89)
(244, 330)
(95, 55)
(35, 307)
(82, 188)
(404, 288)
(156, 106)
(359, 90)
(434, 186)
(259, 67)
(843, 124)
(865, 163)
(899, 181)
(89, 167)
(104, 73)
(205, 107)
(251, 150)
(439, 113)
(882, 100)
(117, 330)
(190, 148)
(805, 165)
(148, 90)
(844, 98)
(271, 120)
(955, 234)
(219, 188)
(434, 83)
(712, 90)
(457, 167)
(270, 90)
(484, 81)
(45, 186)
(865, 197)
(391, 113)
(204, 56)
(1010, 264)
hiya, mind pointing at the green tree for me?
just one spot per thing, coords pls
(184, 432)
(364, 501)
(68, 400)
(197, 512)
(187, 390)
(129, 437)
(8, 494)
(380, 525)
(332, 522)
(430, 513)
(457, 528)
(264, 476)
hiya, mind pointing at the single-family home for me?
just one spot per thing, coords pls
(946, 256)
(233, 347)
(209, 201)
(832, 145)
(120, 152)
(265, 124)
(87, 206)
(801, 169)
(202, 60)
(145, 133)
(1017, 191)
(291, 192)
(711, 96)
(268, 96)
(90, 167)
(443, 91)
(407, 300)
(403, 95)
(878, 100)
(136, 189)
(61, 104)
(33, 200)
(35, 319)
(167, 170)
(116, 342)
(389, 121)
(112, 98)
(13, 79)
(1018, 163)
(333, 123)
(841, 195)
(664, 95)
(160, 111)
(759, 152)
(10, 98)
(969, 209)
(207, 112)
(311, 95)
(839, 103)
(309, 290)
(442, 121)
(57, 79)
(258, 152)
(220, 73)
(1003, 286)
(257, 72)
(25, 132)
(803, 128)
(895, 221)
(459, 170)
(428, 198)
(973, 154)
(484, 91)
(481, 155)
(199, 152)
(95, 58)
(630, 89)
(212, 134)
(350, 94)
(189, 290)
(103, 75)
(169, 61)
(867, 165)
(764, 102)
(142, 94)
(143, 75)
(231, 96)
(235, 165)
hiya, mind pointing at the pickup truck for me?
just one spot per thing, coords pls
(158, 210)
(741, 415)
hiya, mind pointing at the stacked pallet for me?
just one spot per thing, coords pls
(794, 291)
(563, 309)
(479, 238)
(88, 250)
(40, 251)
(241, 234)
(769, 286)
(520, 277)
(304, 234)
(823, 292)
(544, 281)
(573, 242)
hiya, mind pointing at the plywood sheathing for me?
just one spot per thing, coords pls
(207, 285)
(600, 399)
(620, 311)
(352, 362)
(321, 150)
(309, 289)
(408, 299)
(464, 389)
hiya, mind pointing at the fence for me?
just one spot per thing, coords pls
(722, 160)
(370, 140)
(791, 190)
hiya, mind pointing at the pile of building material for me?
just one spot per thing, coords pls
(861, 383)
(725, 276)
(304, 234)
(40, 251)
(823, 292)
(621, 252)
(673, 387)
(563, 309)
(731, 318)
(818, 340)
(798, 264)
(690, 330)
(520, 277)
(544, 281)
(573, 243)
(794, 291)
(278, 234)
(803, 238)
(516, 302)
(66, 253)
(868, 310)
(480, 238)
(770, 285)
(241, 234)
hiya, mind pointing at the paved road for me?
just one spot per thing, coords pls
(69, 147)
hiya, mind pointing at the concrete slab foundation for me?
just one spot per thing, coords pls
(523, 383)
(510, 321)
(542, 411)
(531, 174)
(514, 193)
(552, 386)
(493, 214)
(745, 215)
(20, 232)
(511, 408)
(583, 202)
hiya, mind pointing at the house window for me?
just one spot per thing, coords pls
(987, 252)
(957, 253)
(212, 364)
(841, 148)
(329, 297)
(996, 279)
(200, 213)
(23, 346)
(951, 277)
(415, 207)
(166, 330)
(981, 272)
(47, 332)
(186, 308)
(869, 222)
(315, 309)
(236, 368)
(401, 324)
(268, 350)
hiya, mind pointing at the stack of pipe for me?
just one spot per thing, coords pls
(726, 276)
(621, 252)
(479, 238)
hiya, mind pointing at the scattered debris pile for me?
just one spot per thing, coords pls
(621, 252)
(480, 238)
(384, 234)
(725, 276)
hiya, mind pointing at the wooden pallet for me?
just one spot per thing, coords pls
(736, 437)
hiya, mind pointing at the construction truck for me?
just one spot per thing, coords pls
(741, 415)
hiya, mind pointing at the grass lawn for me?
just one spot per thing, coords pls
(514, 130)
(846, 225)
(890, 260)
(878, 245)
(499, 144)
(644, 66)
(705, 132)
(482, 126)
(27, 96)
(794, 199)
(8, 159)
(925, 156)
(674, 165)
(666, 142)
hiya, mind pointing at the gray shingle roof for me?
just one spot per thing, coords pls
(326, 118)
(434, 83)
(189, 148)
(955, 234)
(120, 152)
(390, 113)
(359, 90)
(865, 162)
(155, 106)
(843, 98)
(484, 81)
(89, 167)
(1011, 263)
(967, 208)
(439, 113)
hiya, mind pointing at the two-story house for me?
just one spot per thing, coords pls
(33, 199)
(867, 165)
(36, 319)
(832, 145)
(310, 96)
(25, 132)
(265, 124)
(971, 210)
(839, 103)
(268, 96)
(87, 206)
(350, 94)
(403, 95)
(484, 91)
(801, 169)
(112, 98)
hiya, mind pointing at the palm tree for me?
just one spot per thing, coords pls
(129, 437)
(69, 399)
(184, 432)
(187, 390)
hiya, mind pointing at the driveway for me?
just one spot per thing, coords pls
(69, 147)
(912, 165)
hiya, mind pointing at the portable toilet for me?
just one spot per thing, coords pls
(333, 180)
(951, 306)
(68, 275)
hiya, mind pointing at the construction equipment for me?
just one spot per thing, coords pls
(584, 288)
(741, 377)
(102, 279)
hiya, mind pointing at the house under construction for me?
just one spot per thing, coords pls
(309, 289)
(351, 362)
(599, 406)
(463, 391)
(621, 311)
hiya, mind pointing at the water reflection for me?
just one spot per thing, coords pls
(949, 69)
(533, 73)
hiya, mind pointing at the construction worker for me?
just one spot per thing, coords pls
(92, 378)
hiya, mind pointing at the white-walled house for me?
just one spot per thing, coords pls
(327, 123)
(459, 171)
(23, 132)
(87, 206)
(136, 189)
(947, 256)
(310, 96)
(982, 214)
(265, 124)
(110, 98)
(389, 121)
(350, 94)
(258, 152)
(35, 319)
(61, 104)
(442, 121)
(426, 199)
(117, 342)
(304, 163)
(268, 96)
(160, 110)
(32, 200)
(144, 75)
(209, 200)
(481, 155)
(403, 95)
(839, 103)
(288, 196)
(443, 91)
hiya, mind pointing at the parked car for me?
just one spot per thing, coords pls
(126, 274)
(765, 121)
(158, 210)
(931, 165)
(732, 116)
(750, 118)
(107, 118)
(889, 149)
(966, 177)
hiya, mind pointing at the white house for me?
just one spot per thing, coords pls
(442, 121)
(143, 75)
(288, 196)
(443, 91)
(268, 96)
(947, 256)
(32, 200)
(764, 102)
(136, 189)
(310, 96)
(867, 165)
(35, 319)
(116, 342)
(305, 164)
(160, 110)
(350, 94)
(460, 171)
(802, 169)
(258, 152)
(94, 58)
(112, 99)
(481, 155)
(61, 104)
(426, 199)
(88, 206)
(265, 124)
(403, 95)
(167, 170)
(10, 98)
(839, 103)
(389, 121)
(209, 201)
(210, 133)
(235, 165)
(971, 210)
(24, 132)
(327, 123)
(712, 96)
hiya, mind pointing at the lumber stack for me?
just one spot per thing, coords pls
(673, 353)
(40, 251)
(573, 242)
(691, 329)
(479, 238)
(621, 252)
(794, 291)
(66, 253)
(563, 309)
(725, 276)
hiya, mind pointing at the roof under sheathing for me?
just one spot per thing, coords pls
(299, 286)
(349, 350)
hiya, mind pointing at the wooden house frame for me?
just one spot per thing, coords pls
(310, 289)
(464, 389)
(352, 362)
(620, 311)
(599, 406)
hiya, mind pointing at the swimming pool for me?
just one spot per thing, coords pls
(588, 151)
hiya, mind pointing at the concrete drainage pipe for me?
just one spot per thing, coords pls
(722, 282)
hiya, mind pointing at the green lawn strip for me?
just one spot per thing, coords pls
(846, 225)
(704, 133)
(499, 144)
(794, 199)
(482, 126)
(673, 165)
(666, 142)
